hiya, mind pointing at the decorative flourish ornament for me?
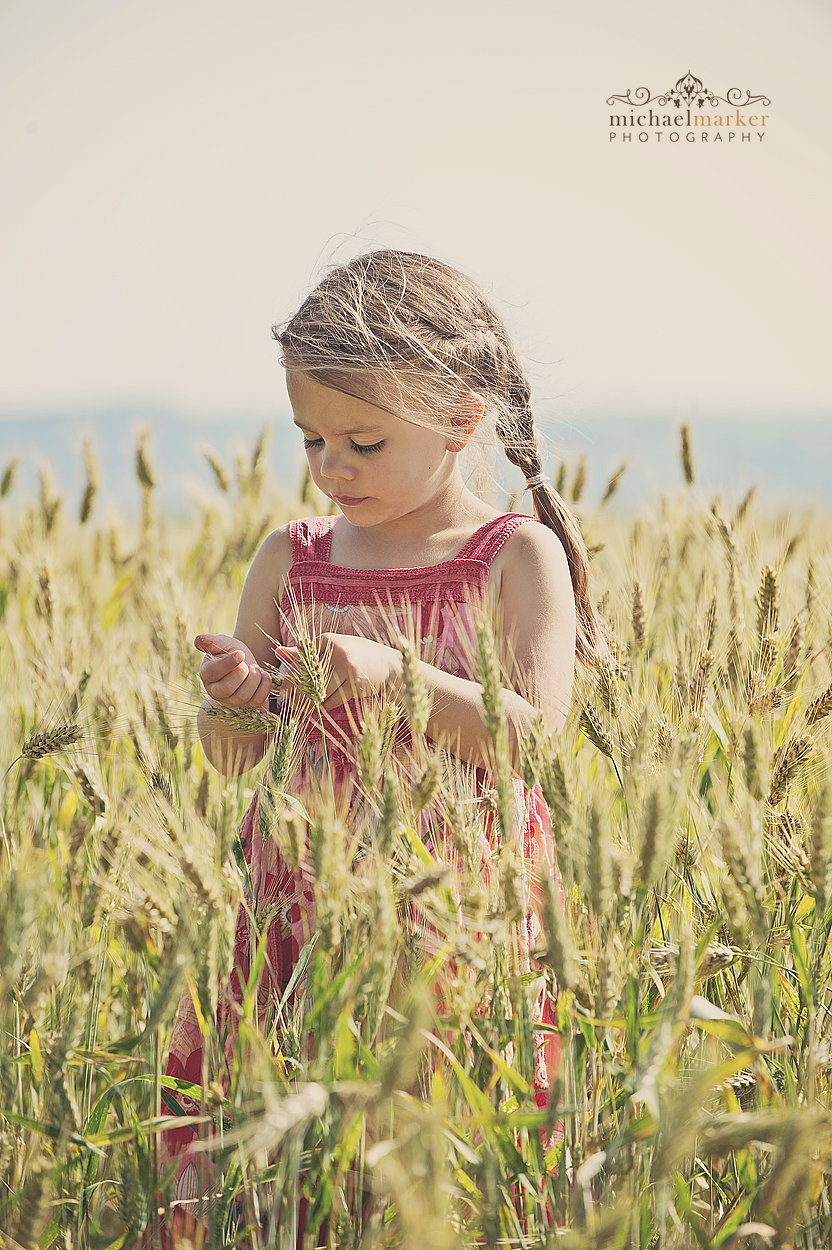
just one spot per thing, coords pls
(688, 91)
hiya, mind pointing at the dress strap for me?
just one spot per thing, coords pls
(485, 542)
(311, 537)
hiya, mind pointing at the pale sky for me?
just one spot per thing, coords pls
(174, 174)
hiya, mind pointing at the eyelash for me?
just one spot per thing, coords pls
(309, 443)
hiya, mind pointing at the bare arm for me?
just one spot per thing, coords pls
(536, 608)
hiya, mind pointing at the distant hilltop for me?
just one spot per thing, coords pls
(788, 460)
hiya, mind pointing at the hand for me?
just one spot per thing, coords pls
(230, 673)
(358, 667)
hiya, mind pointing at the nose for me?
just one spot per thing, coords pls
(335, 465)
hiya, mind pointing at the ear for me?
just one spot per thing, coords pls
(465, 419)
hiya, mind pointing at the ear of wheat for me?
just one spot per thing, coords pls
(38, 745)
(245, 719)
(593, 728)
(821, 707)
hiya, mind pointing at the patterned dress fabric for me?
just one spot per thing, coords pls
(436, 608)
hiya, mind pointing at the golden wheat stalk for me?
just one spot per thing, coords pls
(613, 484)
(415, 694)
(556, 949)
(218, 468)
(699, 682)
(144, 471)
(638, 616)
(768, 602)
(8, 476)
(87, 787)
(820, 846)
(312, 670)
(91, 487)
(766, 702)
(59, 738)
(685, 454)
(786, 763)
(715, 958)
(593, 728)
(426, 785)
(820, 707)
(608, 686)
(245, 719)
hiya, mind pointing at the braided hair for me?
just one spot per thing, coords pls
(412, 335)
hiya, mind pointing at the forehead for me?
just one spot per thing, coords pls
(342, 413)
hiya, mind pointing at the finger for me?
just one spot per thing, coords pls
(263, 692)
(217, 644)
(338, 691)
(227, 688)
(253, 690)
(218, 667)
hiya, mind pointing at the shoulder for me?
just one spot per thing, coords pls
(270, 566)
(533, 558)
(258, 617)
(276, 548)
(532, 586)
(535, 613)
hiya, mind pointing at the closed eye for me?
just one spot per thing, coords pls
(309, 443)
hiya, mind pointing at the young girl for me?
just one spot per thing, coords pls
(393, 363)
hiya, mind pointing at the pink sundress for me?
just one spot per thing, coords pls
(435, 606)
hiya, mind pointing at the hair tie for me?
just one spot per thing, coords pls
(537, 480)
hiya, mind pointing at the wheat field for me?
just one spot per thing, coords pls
(688, 978)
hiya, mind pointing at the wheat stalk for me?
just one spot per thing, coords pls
(785, 764)
(613, 484)
(426, 785)
(312, 669)
(638, 615)
(415, 695)
(91, 486)
(59, 738)
(820, 707)
(579, 480)
(598, 863)
(218, 469)
(244, 719)
(556, 949)
(768, 602)
(608, 687)
(8, 476)
(144, 471)
(593, 728)
(686, 455)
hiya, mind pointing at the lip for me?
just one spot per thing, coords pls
(348, 500)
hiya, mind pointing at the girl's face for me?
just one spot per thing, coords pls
(375, 466)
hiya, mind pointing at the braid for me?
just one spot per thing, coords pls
(516, 430)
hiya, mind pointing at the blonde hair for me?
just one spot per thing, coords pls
(414, 336)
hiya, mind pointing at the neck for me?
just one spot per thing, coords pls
(419, 536)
